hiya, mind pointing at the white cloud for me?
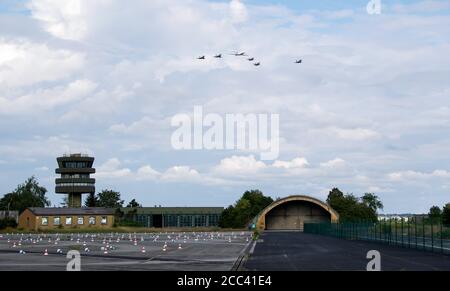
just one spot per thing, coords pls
(112, 169)
(24, 63)
(144, 126)
(295, 163)
(63, 19)
(147, 173)
(240, 164)
(47, 99)
(334, 164)
(415, 175)
(181, 174)
(356, 134)
(238, 11)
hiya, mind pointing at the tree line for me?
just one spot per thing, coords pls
(239, 215)
(437, 214)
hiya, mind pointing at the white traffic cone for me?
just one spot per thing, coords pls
(143, 250)
(179, 246)
(45, 252)
(22, 252)
(14, 245)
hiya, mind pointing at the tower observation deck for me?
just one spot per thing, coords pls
(75, 180)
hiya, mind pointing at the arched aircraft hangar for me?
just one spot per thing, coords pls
(292, 212)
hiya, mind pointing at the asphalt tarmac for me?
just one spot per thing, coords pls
(296, 251)
(202, 251)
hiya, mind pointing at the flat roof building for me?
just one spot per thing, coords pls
(162, 217)
(54, 218)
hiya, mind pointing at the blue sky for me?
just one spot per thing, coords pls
(367, 111)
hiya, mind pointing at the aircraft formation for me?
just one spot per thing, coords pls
(243, 54)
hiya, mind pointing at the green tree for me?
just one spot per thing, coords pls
(245, 209)
(446, 214)
(133, 204)
(435, 213)
(352, 208)
(372, 201)
(91, 200)
(109, 199)
(335, 196)
(28, 194)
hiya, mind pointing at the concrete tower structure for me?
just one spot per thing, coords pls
(75, 180)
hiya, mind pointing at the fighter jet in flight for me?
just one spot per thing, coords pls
(219, 56)
(257, 64)
(237, 54)
(201, 58)
(251, 59)
(298, 61)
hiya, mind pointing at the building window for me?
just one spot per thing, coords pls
(92, 220)
(104, 220)
(68, 220)
(56, 220)
(75, 165)
(80, 220)
(44, 220)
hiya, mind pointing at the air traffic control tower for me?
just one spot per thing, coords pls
(75, 180)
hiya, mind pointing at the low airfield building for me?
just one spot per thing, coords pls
(163, 217)
(56, 218)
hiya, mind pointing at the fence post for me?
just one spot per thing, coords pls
(396, 238)
(423, 233)
(432, 237)
(390, 231)
(415, 229)
(381, 229)
(402, 230)
(409, 233)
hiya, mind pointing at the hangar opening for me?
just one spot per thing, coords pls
(291, 213)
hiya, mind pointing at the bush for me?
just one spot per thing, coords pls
(128, 223)
(445, 234)
(7, 222)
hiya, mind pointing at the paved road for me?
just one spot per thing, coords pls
(303, 252)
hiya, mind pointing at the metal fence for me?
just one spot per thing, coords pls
(427, 236)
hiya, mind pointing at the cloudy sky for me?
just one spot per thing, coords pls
(367, 111)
